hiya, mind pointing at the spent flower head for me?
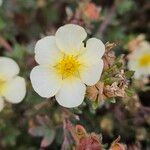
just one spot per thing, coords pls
(116, 145)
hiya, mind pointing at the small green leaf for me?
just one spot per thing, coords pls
(129, 92)
(112, 100)
(129, 74)
(119, 65)
(2, 24)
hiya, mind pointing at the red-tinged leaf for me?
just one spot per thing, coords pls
(45, 142)
(80, 132)
(48, 138)
(37, 131)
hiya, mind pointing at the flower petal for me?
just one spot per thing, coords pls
(91, 75)
(134, 63)
(45, 81)
(69, 38)
(46, 51)
(16, 90)
(1, 103)
(72, 93)
(94, 51)
(8, 67)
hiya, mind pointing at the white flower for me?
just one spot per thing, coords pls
(65, 65)
(12, 87)
(139, 60)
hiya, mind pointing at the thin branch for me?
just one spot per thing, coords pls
(5, 44)
(108, 17)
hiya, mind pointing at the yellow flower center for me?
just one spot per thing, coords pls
(145, 60)
(68, 66)
(2, 85)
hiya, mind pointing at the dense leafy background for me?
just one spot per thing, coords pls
(23, 126)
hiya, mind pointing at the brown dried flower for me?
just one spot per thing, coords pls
(116, 145)
(87, 141)
(136, 43)
(95, 92)
(117, 89)
(102, 91)
(109, 56)
(114, 90)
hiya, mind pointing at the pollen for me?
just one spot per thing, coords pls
(68, 66)
(145, 60)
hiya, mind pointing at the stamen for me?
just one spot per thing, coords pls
(145, 60)
(68, 66)
(2, 86)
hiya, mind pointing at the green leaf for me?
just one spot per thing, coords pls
(11, 137)
(119, 65)
(129, 74)
(126, 6)
(129, 92)
(2, 24)
(112, 100)
(109, 81)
